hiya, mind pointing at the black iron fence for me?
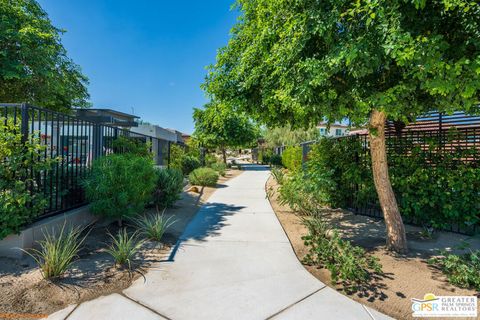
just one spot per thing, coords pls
(73, 143)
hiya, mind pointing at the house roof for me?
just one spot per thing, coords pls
(111, 111)
(332, 125)
(107, 117)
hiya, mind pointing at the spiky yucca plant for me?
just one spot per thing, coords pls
(57, 252)
(124, 247)
(153, 227)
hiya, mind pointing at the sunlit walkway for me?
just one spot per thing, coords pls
(233, 261)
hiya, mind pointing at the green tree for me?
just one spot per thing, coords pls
(34, 66)
(305, 61)
(286, 136)
(217, 126)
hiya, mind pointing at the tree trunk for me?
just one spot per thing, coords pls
(396, 238)
(224, 153)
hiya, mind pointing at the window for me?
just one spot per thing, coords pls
(338, 132)
(322, 131)
(75, 148)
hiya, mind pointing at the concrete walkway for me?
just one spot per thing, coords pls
(233, 261)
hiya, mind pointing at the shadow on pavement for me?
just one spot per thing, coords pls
(207, 222)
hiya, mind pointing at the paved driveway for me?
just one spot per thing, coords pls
(233, 261)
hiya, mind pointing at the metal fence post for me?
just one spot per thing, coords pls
(96, 141)
(24, 123)
(169, 153)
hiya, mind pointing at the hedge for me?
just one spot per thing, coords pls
(433, 188)
(292, 158)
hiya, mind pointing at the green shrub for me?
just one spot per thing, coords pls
(189, 163)
(176, 155)
(434, 188)
(210, 159)
(275, 160)
(220, 167)
(268, 157)
(333, 160)
(182, 160)
(153, 226)
(124, 248)
(436, 195)
(461, 270)
(292, 158)
(346, 262)
(205, 177)
(132, 146)
(306, 192)
(265, 156)
(21, 195)
(120, 186)
(169, 186)
(57, 253)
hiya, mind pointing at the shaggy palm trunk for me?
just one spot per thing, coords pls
(224, 154)
(396, 238)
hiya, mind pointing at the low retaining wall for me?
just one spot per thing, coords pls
(9, 247)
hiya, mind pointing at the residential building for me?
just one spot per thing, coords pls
(334, 130)
(108, 117)
(156, 131)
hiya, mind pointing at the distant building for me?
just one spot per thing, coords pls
(186, 137)
(108, 117)
(179, 136)
(156, 131)
(359, 131)
(335, 130)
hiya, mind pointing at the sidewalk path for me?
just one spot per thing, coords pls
(233, 261)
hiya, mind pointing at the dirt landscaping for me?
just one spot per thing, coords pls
(23, 290)
(405, 277)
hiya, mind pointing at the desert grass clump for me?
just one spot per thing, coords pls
(278, 174)
(124, 248)
(153, 227)
(57, 252)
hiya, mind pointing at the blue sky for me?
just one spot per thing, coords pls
(145, 54)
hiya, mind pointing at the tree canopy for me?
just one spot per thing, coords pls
(301, 61)
(34, 66)
(217, 126)
(304, 61)
(286, 136)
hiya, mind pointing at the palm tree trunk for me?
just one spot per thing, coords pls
(224, 153)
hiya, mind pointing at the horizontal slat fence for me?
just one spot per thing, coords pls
(441, 137)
